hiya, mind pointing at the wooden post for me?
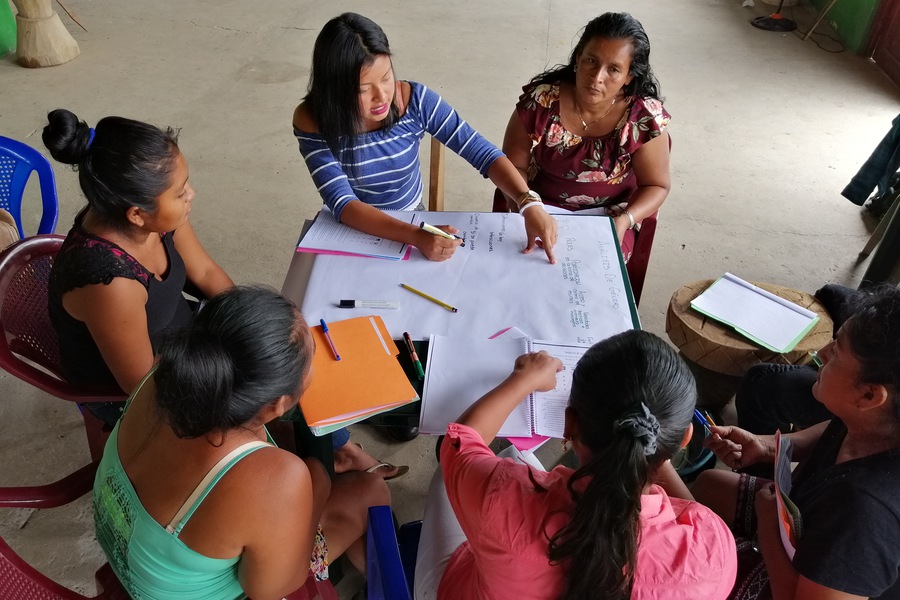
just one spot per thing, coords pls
(436, 178)
(42, 40)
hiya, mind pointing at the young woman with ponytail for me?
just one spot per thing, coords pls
(615, 528)
(192, 499)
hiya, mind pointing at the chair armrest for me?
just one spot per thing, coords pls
(61, 492)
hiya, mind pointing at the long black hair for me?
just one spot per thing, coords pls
(632, 398)
(873, 333)
(121, 162)
(247, 347)
(612, 26)
(345, 45)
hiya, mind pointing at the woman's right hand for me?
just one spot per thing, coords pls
(739, 448)
(540, 369)
(541, 231)
(435, 247)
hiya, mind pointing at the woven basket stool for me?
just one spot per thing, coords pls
(719, 356)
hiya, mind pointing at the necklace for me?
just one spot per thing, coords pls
(580, 118)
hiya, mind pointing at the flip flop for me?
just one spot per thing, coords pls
(401, 470)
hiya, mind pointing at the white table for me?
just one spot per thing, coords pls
(584, 298)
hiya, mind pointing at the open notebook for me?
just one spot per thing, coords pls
(327, 236)
(770, 321)
(368, 379)
(461, 370)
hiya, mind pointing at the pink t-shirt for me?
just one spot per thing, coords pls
(508, 511)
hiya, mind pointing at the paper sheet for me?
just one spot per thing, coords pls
(550, 407)
(460, 370)
(582, 299)
(789, 521)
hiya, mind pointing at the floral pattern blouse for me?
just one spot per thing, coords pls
(577, 172)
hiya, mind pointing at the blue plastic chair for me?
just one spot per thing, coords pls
(17, 161)
(390, 567)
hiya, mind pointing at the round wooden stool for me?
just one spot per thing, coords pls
(719, 356)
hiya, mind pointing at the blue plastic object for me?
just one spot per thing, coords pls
(17, 161)
(385, 577)
(408, 540)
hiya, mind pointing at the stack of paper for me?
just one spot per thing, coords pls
(327, 236)
(790, 525)
(768, 320)
(367, 380)
(461, 370)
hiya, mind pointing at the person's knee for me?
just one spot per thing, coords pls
(710, 485)
(375, 490)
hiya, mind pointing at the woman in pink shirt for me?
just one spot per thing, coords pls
(499, 529)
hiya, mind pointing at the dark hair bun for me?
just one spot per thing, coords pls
(67, 138)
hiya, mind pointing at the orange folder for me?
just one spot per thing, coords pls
(368, 379)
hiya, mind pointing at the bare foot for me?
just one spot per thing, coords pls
(351, 457)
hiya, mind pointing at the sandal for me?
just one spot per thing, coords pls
(401, 470)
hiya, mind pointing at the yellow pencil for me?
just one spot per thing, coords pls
(427, 297)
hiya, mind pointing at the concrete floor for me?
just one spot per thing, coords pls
(766, 131)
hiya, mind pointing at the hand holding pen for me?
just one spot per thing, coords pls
(739, 448)
(437, 246)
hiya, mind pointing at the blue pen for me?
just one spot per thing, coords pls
(330, 341)
(703, 420)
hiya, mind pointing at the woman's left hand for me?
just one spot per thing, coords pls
(541, 231)
(766, 506)
(620, 220)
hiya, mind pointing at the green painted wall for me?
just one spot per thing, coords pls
(851, 19)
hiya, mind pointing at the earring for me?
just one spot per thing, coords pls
(565, 444)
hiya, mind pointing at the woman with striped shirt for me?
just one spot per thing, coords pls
(359, 131)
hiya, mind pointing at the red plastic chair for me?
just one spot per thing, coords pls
(18, 579)
(29, 348)
(640, 254)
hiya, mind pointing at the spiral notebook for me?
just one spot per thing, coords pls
(328, 236)
(460, 370)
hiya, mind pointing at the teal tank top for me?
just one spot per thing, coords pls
(150, 560)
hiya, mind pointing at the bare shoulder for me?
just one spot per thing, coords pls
(304, 120)
(271, 473)
(405, 95)
(121, 295)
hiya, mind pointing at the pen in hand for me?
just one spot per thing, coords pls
(439, 232)
(415, 357)
(330, 341)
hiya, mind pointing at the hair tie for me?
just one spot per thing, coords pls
(643, 426)
(90, 139)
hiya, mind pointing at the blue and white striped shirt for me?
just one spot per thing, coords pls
(386, 173)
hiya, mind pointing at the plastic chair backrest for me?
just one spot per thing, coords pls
(17, 161)
(24, 318)
(25, 327)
